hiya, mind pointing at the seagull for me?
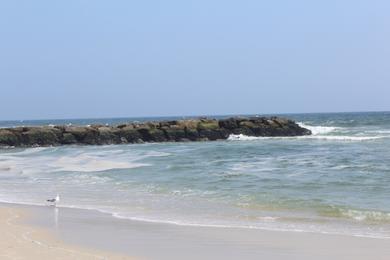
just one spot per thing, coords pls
(54, 201)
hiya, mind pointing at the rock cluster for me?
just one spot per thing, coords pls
(202, 129)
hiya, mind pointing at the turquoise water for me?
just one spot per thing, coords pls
(335, 181)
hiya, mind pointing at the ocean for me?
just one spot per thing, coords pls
(335, 181)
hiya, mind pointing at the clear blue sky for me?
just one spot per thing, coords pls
(79, 58)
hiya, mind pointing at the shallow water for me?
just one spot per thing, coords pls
(335, 181)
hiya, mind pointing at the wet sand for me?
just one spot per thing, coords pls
(91, 229)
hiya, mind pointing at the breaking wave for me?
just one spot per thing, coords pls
(242, 137)
(319, 130)
(360, 215)
(330, 133)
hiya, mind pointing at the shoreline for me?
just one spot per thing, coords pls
(84, 228)
(21, 240)
(145, 221)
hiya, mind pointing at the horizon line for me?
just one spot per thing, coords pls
(189, 116)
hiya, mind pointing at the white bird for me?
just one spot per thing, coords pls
(54, 201)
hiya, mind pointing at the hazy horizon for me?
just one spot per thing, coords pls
(195, 115)
(94, 59)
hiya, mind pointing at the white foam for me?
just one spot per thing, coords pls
(342, 137)
(319, 130)
(85, 163)
(242, 137)
(330, 133)
(280, 228)
(265, 223)
(27, 151)
(379, 131)
(38, 161)
(360, 215)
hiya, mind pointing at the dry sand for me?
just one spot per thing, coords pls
(20, 241)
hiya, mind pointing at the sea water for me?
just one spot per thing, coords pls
(334, 181)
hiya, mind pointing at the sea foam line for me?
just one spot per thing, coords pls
(191, 224)
(242, 137)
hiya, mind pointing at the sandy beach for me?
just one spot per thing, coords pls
(195, 130)
(21, 241)
(31, 232)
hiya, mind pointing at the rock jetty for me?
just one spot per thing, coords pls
(202, 129)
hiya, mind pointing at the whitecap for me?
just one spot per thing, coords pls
(342, 137)
(318, 130)
(242, 137)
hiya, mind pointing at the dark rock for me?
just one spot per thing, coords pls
(229, 123)
(107, 135)
(214, 134)
(130, 134)
(79, 132)
(175, 131)
(192, 134)
(247, 124)
(208, 124)
(8, 138)
(175, 134)
(68, 138)
(152, 135)
(40, 136)
(91, 136)
(188, 124)
(244, 131)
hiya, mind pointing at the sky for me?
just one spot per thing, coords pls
(97, 58)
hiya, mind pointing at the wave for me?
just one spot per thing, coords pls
(27, 151)
(40, 161)
(358, 215)
(319, 130)
(64, 164)
(379, 131)
(85, 163)
(242, 137)
(343, 137)
(331, 133)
